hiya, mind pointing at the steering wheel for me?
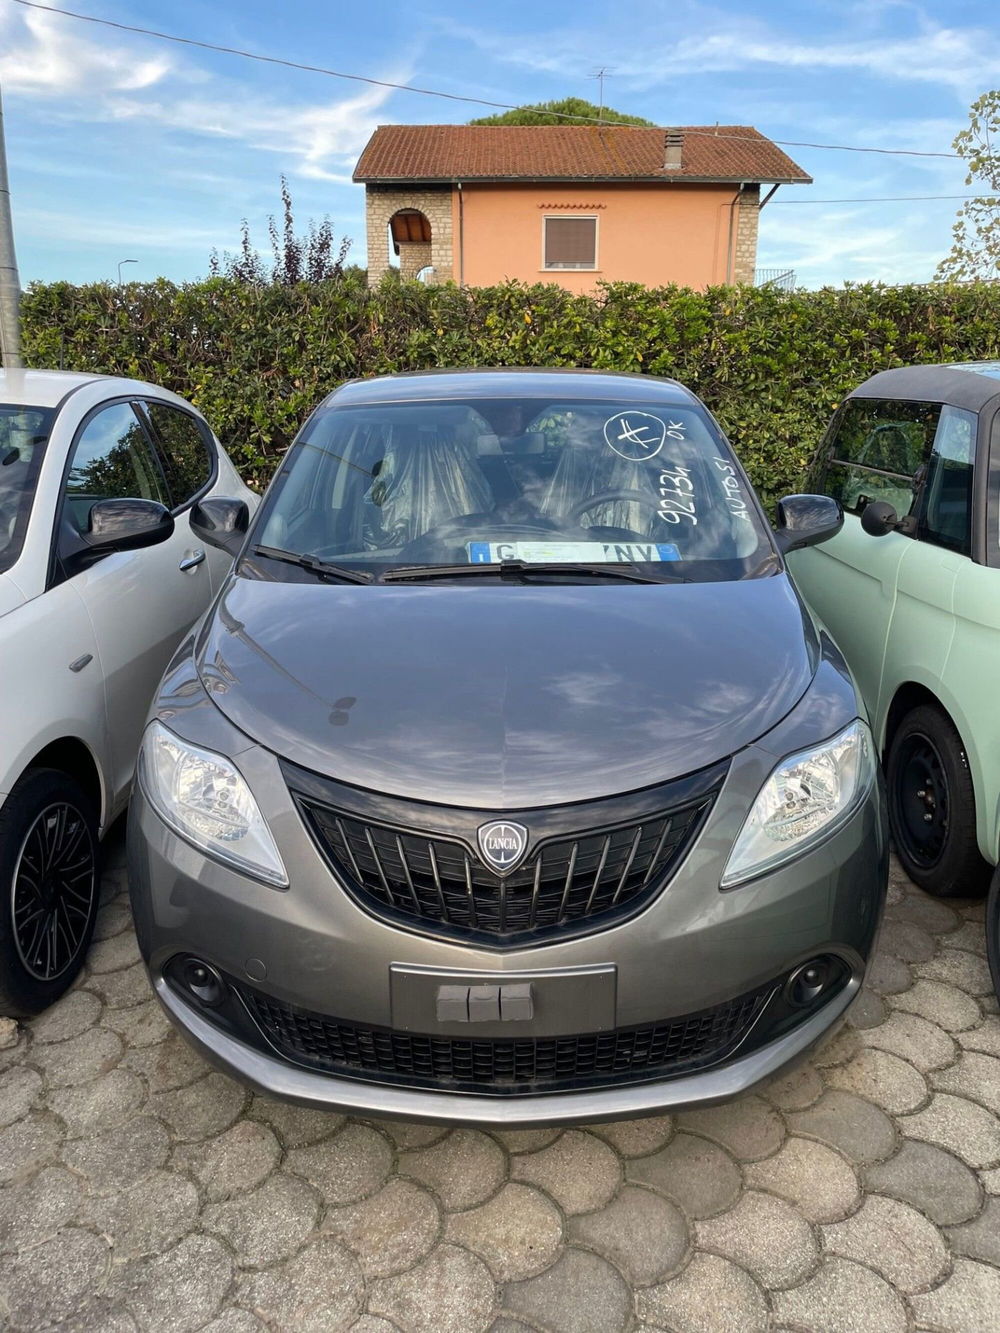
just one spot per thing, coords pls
(606, 497)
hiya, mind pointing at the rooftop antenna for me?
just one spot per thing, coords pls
(600, 74)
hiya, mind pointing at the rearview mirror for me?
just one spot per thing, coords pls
(126, 525)
(878, 518)
(805, 520)
(221, 522)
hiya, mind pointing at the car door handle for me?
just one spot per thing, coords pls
(192, 561)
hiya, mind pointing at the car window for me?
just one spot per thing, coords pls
(877, 447)
(24, 432)
(187, 460)
(945, 509)
(111, 460)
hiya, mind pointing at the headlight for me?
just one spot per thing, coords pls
(805, 799)
(204, 798)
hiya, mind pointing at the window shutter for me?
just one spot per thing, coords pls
(570, 242)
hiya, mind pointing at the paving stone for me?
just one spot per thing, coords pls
(639, 1231)
(113, 918)
(504, 1324)
(794, 1091)
(580, 1293)
(579, 1171)
(911, 943)
(985, 1037)
(347, 1168)
(975, 1076)
(68, 1017)
(888, 975)
(36, 1209)
(894, 1239)
(979, 1239)
(963, 1127)
(319, 1291)
(370, 1323)
(517, 1233)
(122, 990)
(390, 1230)
(748, 1128)
(296, 1126)
(766, 1236)
(171, 1063)
(462, 1169)
(450, 1291)
(710, 1296)
(19, 1089)
(940, 1003)
(28, 1144)
(968, 1302)
(858, 1129)
(525, 1140)
(147, 1218)
(884, 1079)
(867, 1011)
(930, 913)
(922, 1044)
(991, 1180)
(410, 1134)
(91, 1108)
(973, 911)
(67, 1063)
(241, 1321)
(98, 1314)
(113, 955)
(843, 1297)
(10, 1037)
(178, 1291)
(140, 1024)
(268, 1224)
(73, 1263)
(968, 936)
(121, 1157)
(839, 1047)
(968, 971)
(232, 1164)
(697, 1174)
(813, 1178)
(931, 1179)
(200, 1109)
(636, 1138)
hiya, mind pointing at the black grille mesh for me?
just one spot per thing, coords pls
(528, 1064)
(568, 880)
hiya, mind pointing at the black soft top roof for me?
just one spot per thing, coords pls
(970, 384)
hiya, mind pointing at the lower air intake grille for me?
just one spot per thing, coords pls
(518, 1065)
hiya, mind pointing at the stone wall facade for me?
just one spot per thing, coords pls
(435, 204)
(747, 219)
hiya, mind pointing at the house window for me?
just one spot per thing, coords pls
(569, 243)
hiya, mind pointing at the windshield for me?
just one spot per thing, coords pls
(23, 433)
(481, 482)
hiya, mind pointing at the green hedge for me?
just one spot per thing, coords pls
(772, 365)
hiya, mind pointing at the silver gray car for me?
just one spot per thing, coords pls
(508, 780)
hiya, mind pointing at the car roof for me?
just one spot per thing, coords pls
(969, 384)
(42, 388)
(444, 385)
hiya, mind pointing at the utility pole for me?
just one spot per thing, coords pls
(10, 287)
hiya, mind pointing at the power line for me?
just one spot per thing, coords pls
(434, 92)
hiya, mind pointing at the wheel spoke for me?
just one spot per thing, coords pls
(53, 890)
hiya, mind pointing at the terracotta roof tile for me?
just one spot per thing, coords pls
(570, 152)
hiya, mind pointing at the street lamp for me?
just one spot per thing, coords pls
(124, 261)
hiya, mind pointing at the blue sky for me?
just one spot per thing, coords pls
(122, 146)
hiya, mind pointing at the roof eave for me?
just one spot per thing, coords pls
(659, 179)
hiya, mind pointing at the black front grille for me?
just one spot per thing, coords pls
(588, 878)
(508, 1066)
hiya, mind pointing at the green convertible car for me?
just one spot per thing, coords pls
(910, 590)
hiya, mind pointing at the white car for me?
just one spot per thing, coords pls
(103, 485)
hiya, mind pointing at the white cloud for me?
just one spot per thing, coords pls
(45, 55)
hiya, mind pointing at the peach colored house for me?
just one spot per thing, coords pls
(572, 204)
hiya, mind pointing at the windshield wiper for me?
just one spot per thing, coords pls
(314, 564)
(519, 568)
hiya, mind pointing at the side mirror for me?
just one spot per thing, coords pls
(126, 525)
(805, 520)
(221, 522)
(878, 518)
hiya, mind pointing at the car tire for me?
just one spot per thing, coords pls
(993, 930)
(50, 889)
(932, 806)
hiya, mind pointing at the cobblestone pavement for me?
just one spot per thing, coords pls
(141, 1190)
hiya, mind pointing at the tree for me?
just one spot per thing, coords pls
(556, 113)
(308, 258)
(976, 249)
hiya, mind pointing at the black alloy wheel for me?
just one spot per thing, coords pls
(50, 885)
(932, 808)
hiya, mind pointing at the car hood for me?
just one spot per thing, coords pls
(500, 696)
